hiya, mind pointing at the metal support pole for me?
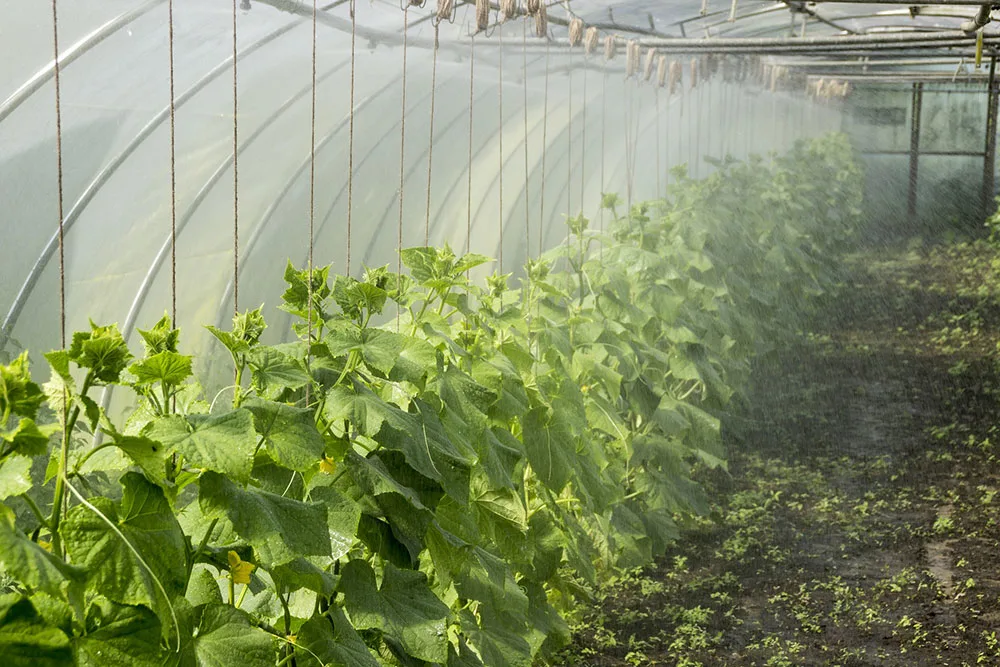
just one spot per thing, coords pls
(989, 157)
(918, 98)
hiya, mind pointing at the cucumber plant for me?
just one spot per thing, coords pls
(437, 489)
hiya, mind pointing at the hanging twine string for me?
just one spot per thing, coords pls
(575, 31)
(59, 176)
(569, 141)
(534, 6)
(661, 71)
(236, 176)
(312, 198)
(545, 146)
(650, 64)
(527, 175)
(500, 137)
(350, 140)
(583, 145)
(312, 168)
(482, 15)
(676, 75)
(590, 40)
(472, 89)
(659, 141)
(430, 143)
(610, 48)
(402, 158)
(604, 137)
(694, 73)
(628, 145)
(173, 167)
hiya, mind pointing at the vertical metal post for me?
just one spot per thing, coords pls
(989, 155)
(918, 98)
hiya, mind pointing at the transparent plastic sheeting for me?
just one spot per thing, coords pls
(116, 155)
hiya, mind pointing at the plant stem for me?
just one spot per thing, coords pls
(79, 464)
(35, 509)
(243, 594)
(59, 496)
(201, 547)
(238, 391)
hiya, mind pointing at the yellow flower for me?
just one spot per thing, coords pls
(240, 569)
(327, 466)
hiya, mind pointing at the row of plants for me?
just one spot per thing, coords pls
(432, 471)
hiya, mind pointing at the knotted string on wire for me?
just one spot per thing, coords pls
(482, 15)
(650, 64)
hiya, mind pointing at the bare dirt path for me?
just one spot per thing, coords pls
(860, 524)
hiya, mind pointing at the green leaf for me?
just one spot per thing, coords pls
(15, 476)
(146, 520)
(414, 361)
(272, 370)
(161, 338)
(296, 297)
(222, 443)
(167, 367)
(355, 297)
(501, 377)
(26, 640)
(550, 447)
(332, 638)
(420, 438)
(120, 636)
(203, 587)
(301, 573)
(470, 400)
(150, 455)
(496, 641)
(102, 350)
(279, 529)
(33, 566)
(18, 394)
(230, 341)
(342, 516)
(289, 433)
(403, 608)
(226, 637)
(28, 438)
(379, 349)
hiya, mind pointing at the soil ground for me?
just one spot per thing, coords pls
(860, 521)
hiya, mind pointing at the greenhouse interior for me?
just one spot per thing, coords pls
(404, 333)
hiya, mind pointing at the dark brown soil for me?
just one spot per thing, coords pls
(860, 524)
